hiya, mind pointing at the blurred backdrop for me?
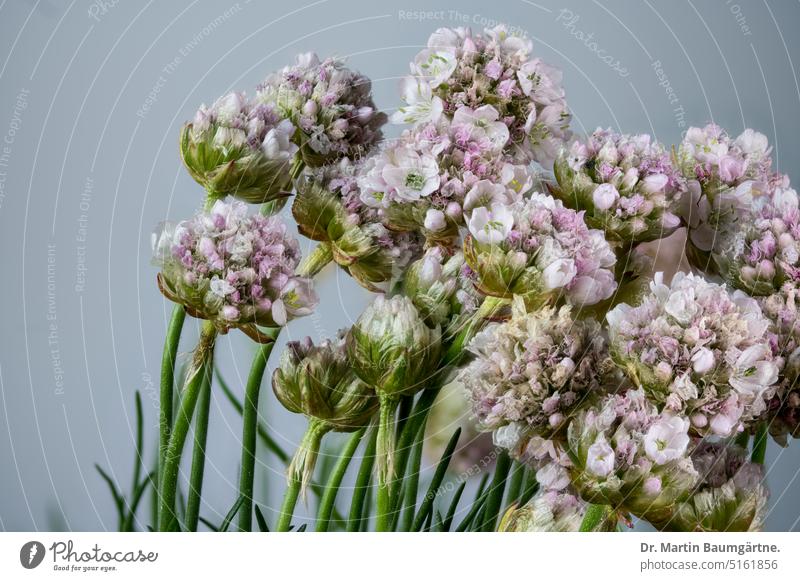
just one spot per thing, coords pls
(92, 96)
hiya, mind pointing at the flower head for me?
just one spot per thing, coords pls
(465, 73)
(698, 350)
(233, 269)
(626, 184)
(331, 106)
(540, 250)
(240, 148)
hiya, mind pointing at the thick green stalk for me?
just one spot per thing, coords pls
(172, 460)
(361, 487)
(300, 471)
(760, 444)
(250, 430)
(199, 452)
(331, 490)
(167, 390)
(386, 444)
(318, 259)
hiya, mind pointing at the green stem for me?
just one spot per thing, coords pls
(760, 444)
(361, 487)
(515, 485)
(300, 470)
(329, 497)
(172, 459)
(386, 444)
(495, 499)
(412, 483)
(595, 515)
(199, 452)
(250, 430)
(318, 259)
(167, 390)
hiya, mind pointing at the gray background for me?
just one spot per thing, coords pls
(86, 160)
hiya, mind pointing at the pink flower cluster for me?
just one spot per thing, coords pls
(233, 268)
(698, 350)
(461, 69)
(331, 106)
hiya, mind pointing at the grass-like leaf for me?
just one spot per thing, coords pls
(495, 499)
(448, 521)
(361, 488)
(231, 513)
(337, 474)
(262, 522)
(433, 490)
(411, 481)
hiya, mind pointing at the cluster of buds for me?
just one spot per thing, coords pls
(628, 455)
(330, 105)
(234, 269)
(328, 208)
(763, 253)
(724, 176)
(539, 250)
(731, 496)
(318, 382)
(550, 511)
(393, 350)
(697, 350)
(536, 369)
(240, 148)
(461, 69)
(431, 178)
(627, 185)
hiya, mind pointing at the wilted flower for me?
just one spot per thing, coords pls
(536, 370)
(763, 251)
(235, 270)
(549, 511)
(724, 176)
(627, 185)
(547, 254)
(240, 148)
(698, 350)
(328, 208)
(627, 455)
(392, 350)
(331, 106)
(462, 72)
(318, 382)
(731, 496)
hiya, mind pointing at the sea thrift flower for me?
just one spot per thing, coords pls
(240, 148)
(698, 350)
(629, 456)
(548, 512)
(626, 185)
(731, 496)
(460, 71)
(331, 106)
(547, 253)
(536, 369)
(328, 208)
(235, 270)
(392, 350)
(318, 381)
(762, 253)
(436, 175)
(724, 176)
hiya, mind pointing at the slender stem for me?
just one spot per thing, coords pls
(250, 430)
(760, 444)
(168, 383)
(318, 259)
(335, 480)
(388, 407)
(300, 471)
(361, 487)
(412, 483)
(594, 517)
(172, 459)
(199, 451)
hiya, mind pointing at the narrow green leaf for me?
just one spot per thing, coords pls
(209, 524)
(495, 498)
(760, 444)
(530, 488)
(448, 521)
(361, 488)
(262, 522)
(411, 481)
(118, 500)
(476, 508)
(337, 474)
(515, 483)
(433, 490)
(302, 528)
(231, 513)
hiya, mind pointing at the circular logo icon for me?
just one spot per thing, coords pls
(31, 554)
